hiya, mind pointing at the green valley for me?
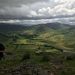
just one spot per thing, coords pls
(44, 49)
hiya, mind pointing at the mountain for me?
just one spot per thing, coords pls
(44, 45)
(53, 25)
(17, 27)
(57, 33)
(6, 27)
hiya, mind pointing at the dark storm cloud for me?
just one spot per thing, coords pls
(16, 8)
(14, 3)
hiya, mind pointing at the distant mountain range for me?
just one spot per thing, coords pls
(6, 27)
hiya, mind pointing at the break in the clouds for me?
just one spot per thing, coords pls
(37, 9)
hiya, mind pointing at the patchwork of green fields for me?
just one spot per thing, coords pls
(48, 47)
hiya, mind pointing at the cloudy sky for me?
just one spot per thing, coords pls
(44, 11)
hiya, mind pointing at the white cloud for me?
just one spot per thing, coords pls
(32, 14)
(50, 8)
(63, 7)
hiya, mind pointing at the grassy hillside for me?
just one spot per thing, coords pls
(45, 49)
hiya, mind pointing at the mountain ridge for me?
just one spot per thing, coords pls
(16, 27)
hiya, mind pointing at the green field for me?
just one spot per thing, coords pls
(48, 49)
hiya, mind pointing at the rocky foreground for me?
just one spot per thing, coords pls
(32, 69)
